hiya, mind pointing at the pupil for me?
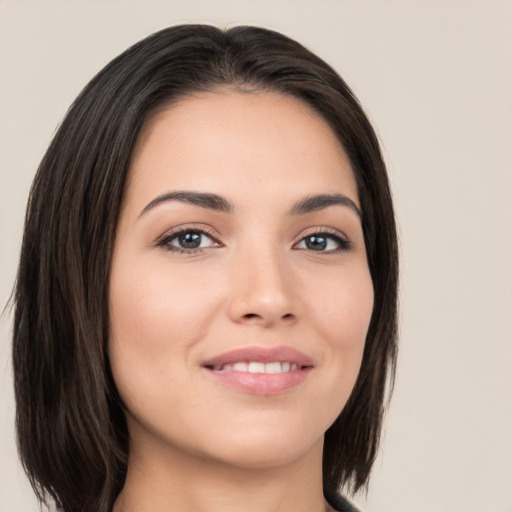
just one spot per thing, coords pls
(316, 243)
(190, 240)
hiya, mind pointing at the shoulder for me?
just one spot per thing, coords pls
(338, 502)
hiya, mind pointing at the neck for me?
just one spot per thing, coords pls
(160, 480)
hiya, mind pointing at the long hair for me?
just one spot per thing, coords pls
(71, 429)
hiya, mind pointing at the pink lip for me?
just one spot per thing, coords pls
(260, 355)
(260, 383)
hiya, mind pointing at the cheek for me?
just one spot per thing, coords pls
(154, 303)
(342, 310)
(156, 317)
(343, 306)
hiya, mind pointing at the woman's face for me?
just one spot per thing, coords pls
(240, 294)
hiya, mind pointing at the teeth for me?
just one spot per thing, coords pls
(273, 368)
(257, 367)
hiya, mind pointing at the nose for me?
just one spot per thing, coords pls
(264, 291)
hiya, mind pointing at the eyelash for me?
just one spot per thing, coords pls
(165, 242)
(343, 243)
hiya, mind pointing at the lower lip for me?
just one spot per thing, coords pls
(261, 383)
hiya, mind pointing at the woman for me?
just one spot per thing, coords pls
(206, 299)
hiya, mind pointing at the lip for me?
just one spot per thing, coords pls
(260, 383)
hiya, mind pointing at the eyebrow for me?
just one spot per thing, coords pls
(204, 200)
(218, 203)
(318, 202)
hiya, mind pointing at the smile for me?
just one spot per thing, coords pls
(260, 371)
(257, 367)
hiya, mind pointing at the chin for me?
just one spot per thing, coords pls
(266, 449)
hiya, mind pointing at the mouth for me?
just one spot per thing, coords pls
(257, 367)
(260, 371)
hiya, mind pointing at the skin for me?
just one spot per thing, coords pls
(195, 443)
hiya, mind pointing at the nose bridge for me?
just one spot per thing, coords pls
(262, 291)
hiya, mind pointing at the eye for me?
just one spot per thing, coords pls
(324, 242)
(187, 241)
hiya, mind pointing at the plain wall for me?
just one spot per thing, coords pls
(436, 79)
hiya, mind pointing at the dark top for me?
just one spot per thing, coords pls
(338, 502)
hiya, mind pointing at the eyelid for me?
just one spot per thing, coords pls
(335, 233)
(162, 241)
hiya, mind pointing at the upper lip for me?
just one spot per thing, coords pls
(261, 355)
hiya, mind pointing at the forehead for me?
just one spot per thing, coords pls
(235, 142)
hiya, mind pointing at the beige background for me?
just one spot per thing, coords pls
(436, 78)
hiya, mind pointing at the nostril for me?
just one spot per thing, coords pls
(267, 319)
(251, 315)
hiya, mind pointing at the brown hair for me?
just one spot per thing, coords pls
(71, 429)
